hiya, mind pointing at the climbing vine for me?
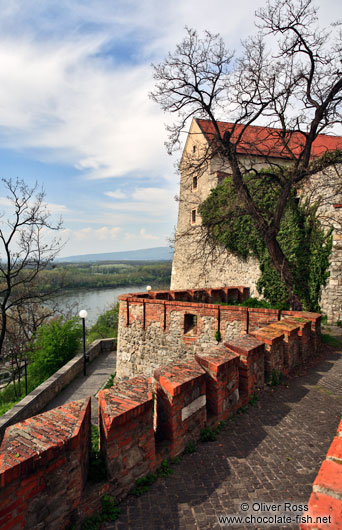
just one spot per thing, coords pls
(301, 237)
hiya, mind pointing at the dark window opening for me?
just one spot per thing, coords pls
(190, 323)
(194, 183)
(221, 176)
(194, 149)
(193, 216)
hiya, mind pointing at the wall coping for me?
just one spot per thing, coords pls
(32, 441)
(36, 400)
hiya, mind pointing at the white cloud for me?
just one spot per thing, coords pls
(63, 97)
(116, 194)
(143, 235)
(56, 208)
(4, 201)
(89, 233)
(156, 202)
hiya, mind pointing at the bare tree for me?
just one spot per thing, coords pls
(26, 249)
(288, 79)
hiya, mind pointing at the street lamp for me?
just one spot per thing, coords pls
(148, 288)
(83, 315)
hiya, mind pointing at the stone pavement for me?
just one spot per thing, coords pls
(98, 373)
(270, 453)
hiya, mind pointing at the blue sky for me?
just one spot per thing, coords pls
(75, 113)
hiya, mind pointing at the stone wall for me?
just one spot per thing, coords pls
(162, 326)
(36, 400)
(44, 460)
(196, 263)
(158, 327)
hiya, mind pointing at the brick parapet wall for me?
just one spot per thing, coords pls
(36, 400)
(290, 331)
(43, 467)
(155, 327)
(181, 404)
(326, 499)
(222, 383)
(251, 354)
(126, 432)
(306, 337)
(137, 429)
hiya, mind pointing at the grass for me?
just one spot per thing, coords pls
(331, 341)
(110, 381)
(97, 468)
(7, 406)
(110, 512)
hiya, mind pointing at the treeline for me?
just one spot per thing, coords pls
(96, 276)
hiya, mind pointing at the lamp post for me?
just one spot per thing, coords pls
(25, 361)
(83, 315)
(148, 288)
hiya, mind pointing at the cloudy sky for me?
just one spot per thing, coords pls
(75, 114)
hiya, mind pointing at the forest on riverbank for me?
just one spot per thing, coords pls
(105, 275)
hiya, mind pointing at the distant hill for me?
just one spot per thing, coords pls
(146, 254)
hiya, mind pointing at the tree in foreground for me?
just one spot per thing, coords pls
(26, 249)
(289, 80)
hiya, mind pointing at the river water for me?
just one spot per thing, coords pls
(95, 301)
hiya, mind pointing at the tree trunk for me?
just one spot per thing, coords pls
(283, 267)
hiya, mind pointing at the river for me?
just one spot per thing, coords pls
(95, 301)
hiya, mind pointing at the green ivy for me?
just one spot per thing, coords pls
(301, 237)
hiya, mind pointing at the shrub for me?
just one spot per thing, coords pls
(55, 344)
(106, 325)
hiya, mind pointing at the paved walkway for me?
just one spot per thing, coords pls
(98, 373)
(270, 453)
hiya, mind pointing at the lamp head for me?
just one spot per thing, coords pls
(83, 313)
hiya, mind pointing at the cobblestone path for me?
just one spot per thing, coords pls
(270, 453)
(98, 373)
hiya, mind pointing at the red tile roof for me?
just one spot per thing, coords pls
(268, 141)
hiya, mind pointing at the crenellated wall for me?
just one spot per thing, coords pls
(163, 326)
(44, 459)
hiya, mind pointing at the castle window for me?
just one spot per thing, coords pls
(221, 176)
(190, 323)
(194, 183)
(193, 216)
(194, 149)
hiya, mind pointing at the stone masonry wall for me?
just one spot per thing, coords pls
(197, 264)
(162, 326)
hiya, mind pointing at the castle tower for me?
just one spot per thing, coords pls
(196, 264)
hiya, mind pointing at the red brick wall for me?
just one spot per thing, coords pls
(126, 433)
(326, 499)
(43, 468)
(44, 460)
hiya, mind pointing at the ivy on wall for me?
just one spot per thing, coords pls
(302, 238)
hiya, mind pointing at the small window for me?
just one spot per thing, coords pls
(193, 216)
(194, 149)
(194, 183)
(221, 176)
(190, 323)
